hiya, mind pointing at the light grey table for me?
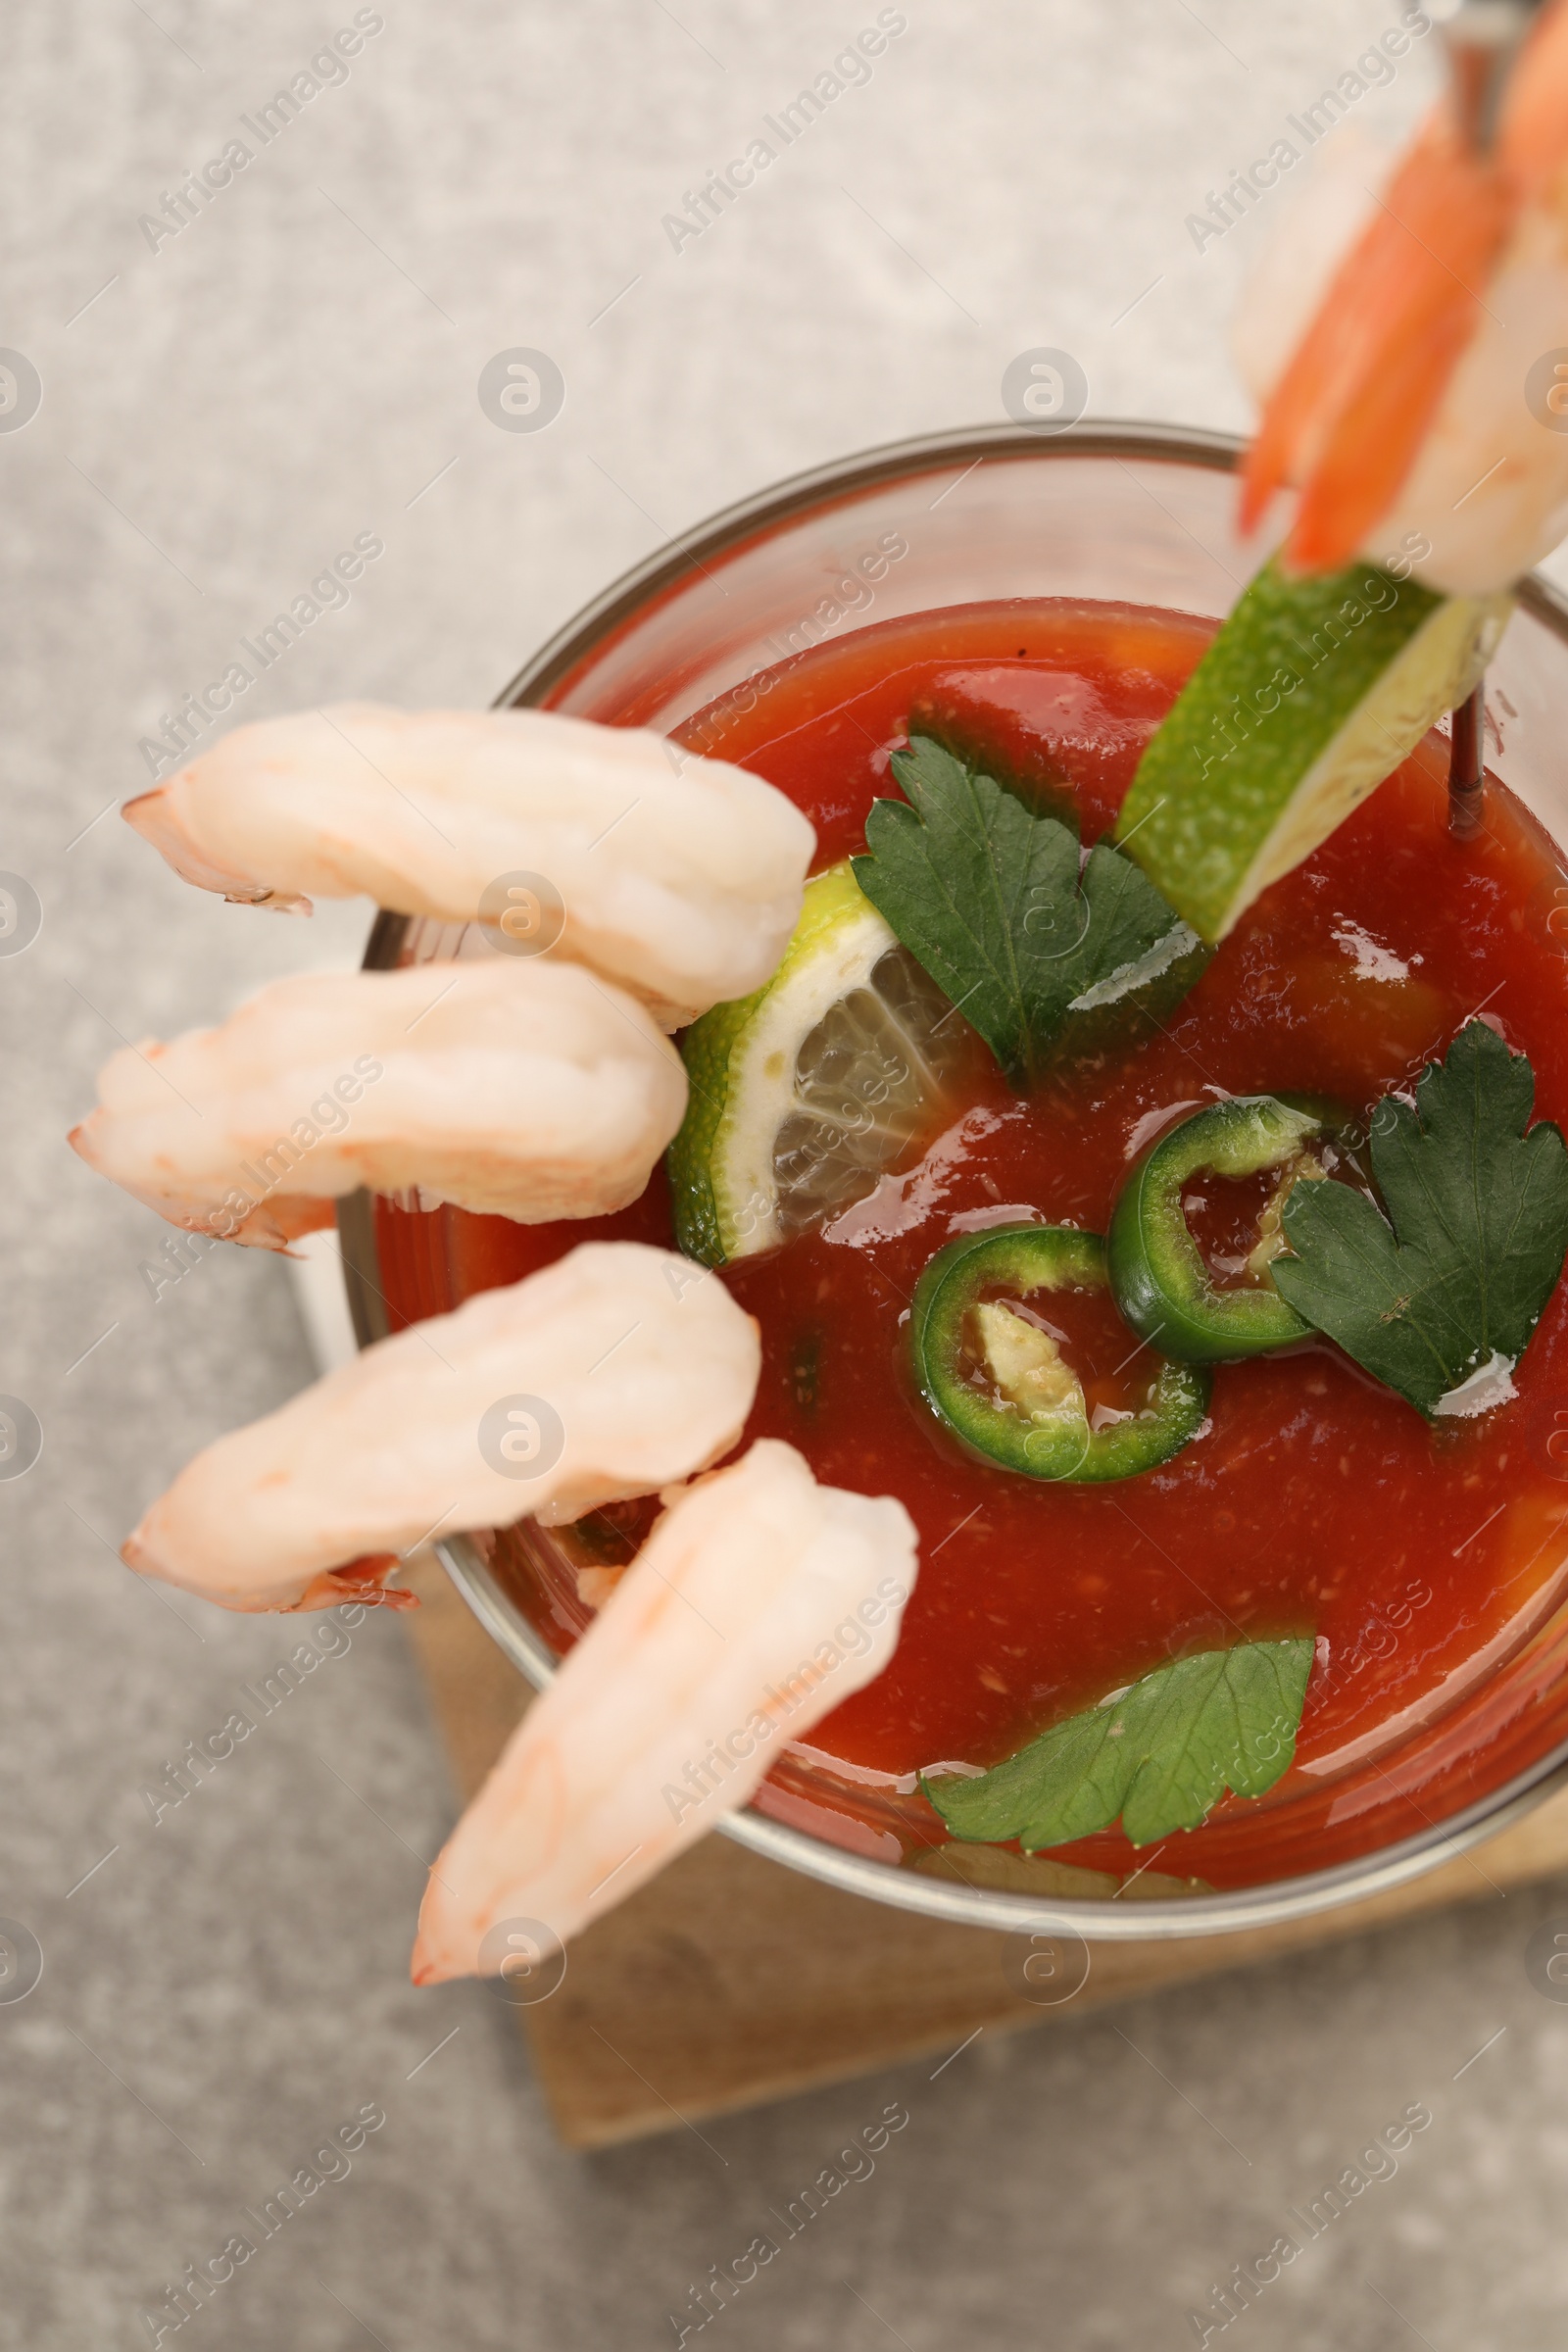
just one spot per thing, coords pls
(223, 408)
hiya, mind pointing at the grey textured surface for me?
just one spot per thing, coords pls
(292, 368)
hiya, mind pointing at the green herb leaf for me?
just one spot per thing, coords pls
(1160, 1755)
(989, 897)
(1453, 1289)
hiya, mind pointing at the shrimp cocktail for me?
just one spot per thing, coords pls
(971, 1224)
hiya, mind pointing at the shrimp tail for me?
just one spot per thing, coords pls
(155, 816)
(364, 1581)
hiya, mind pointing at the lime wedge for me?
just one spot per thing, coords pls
(1312, 692)
(805, 1093)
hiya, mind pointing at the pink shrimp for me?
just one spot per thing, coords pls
(677, 877)
(527, 1090)
(1465, 252)
(759, 1602)
(606, 1375)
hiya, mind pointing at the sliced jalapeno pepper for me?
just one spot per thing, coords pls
(1158, 1273)
(1001, 1383)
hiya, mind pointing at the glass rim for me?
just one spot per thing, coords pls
(1104, 1920)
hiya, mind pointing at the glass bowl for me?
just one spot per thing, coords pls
(1124, 513)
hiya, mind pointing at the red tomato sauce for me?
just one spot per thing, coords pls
(1315, 1501)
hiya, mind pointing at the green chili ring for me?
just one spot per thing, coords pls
(1056, 1441)
(1161, 1285)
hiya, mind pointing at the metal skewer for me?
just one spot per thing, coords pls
(1482, 39)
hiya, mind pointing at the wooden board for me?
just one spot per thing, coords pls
(729, 1981)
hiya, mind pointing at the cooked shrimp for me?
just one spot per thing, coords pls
(759, 1602)
(677, 876)
(527, 1090)
(609, 1374)
(1401, 411)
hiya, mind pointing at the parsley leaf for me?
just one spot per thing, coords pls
(1451, 1291)
(989, 897)
(1160, 1755)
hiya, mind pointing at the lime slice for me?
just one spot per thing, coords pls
(1313, 691)
(805, 1093)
